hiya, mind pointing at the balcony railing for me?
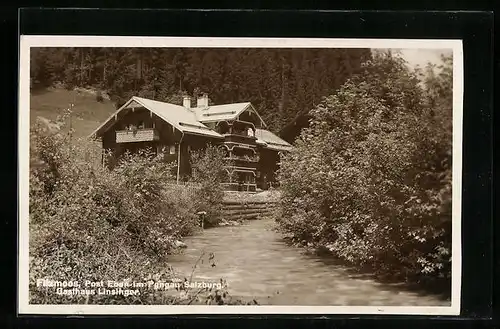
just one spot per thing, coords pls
(139, 135)
(244, 158)
(240, 138)
(238, 164)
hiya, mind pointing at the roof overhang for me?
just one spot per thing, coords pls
(231, 115)
(109, 122)
(179, 126)
(275, 147)
(257, 113)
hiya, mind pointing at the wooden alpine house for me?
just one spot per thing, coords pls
(177, 130)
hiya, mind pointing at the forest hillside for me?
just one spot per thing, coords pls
(281, 83)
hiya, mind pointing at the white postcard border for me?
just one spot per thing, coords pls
(28, 41)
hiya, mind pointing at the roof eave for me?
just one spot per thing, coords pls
(97, 132)
(201, 134)
(277, 148)
(261, 120)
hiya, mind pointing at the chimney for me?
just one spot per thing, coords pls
(186, 102)
(202, 102)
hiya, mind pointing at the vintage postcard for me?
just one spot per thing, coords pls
(239, 175)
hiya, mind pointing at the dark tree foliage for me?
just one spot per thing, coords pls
(370, 179)
(280, 83)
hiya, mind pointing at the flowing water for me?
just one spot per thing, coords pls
(257, 263)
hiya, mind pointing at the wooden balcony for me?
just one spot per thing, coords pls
(139, 135)
(240, 139)
(238, 164)
(245, 148)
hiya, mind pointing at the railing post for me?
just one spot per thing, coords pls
(178, 162)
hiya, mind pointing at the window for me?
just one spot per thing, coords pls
(172, 149)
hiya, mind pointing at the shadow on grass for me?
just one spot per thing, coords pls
(39, 90)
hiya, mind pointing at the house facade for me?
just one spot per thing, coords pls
(254, 152)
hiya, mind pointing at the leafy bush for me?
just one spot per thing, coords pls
(99, 97)
(370, 179)
(91, 223)
(208, 173)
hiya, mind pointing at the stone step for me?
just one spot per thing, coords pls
(246, 217)
(247, 209)
(259, 213)
(239, 203)
(241, 206)
(237, 210)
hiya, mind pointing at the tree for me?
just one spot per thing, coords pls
(280, 83)
(368, 179)
(208, 172)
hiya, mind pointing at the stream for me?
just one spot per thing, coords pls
(256, 263)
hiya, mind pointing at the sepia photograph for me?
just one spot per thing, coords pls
(233, 175)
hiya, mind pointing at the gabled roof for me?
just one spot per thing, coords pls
(225, 112)
(176, 115)
(222, 112)
(186, 120)
(271, 141)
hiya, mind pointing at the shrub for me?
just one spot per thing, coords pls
(99, 97)
(208, 173)
(91, 223)
(370, 179)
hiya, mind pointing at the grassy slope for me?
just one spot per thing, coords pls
(88, 114)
